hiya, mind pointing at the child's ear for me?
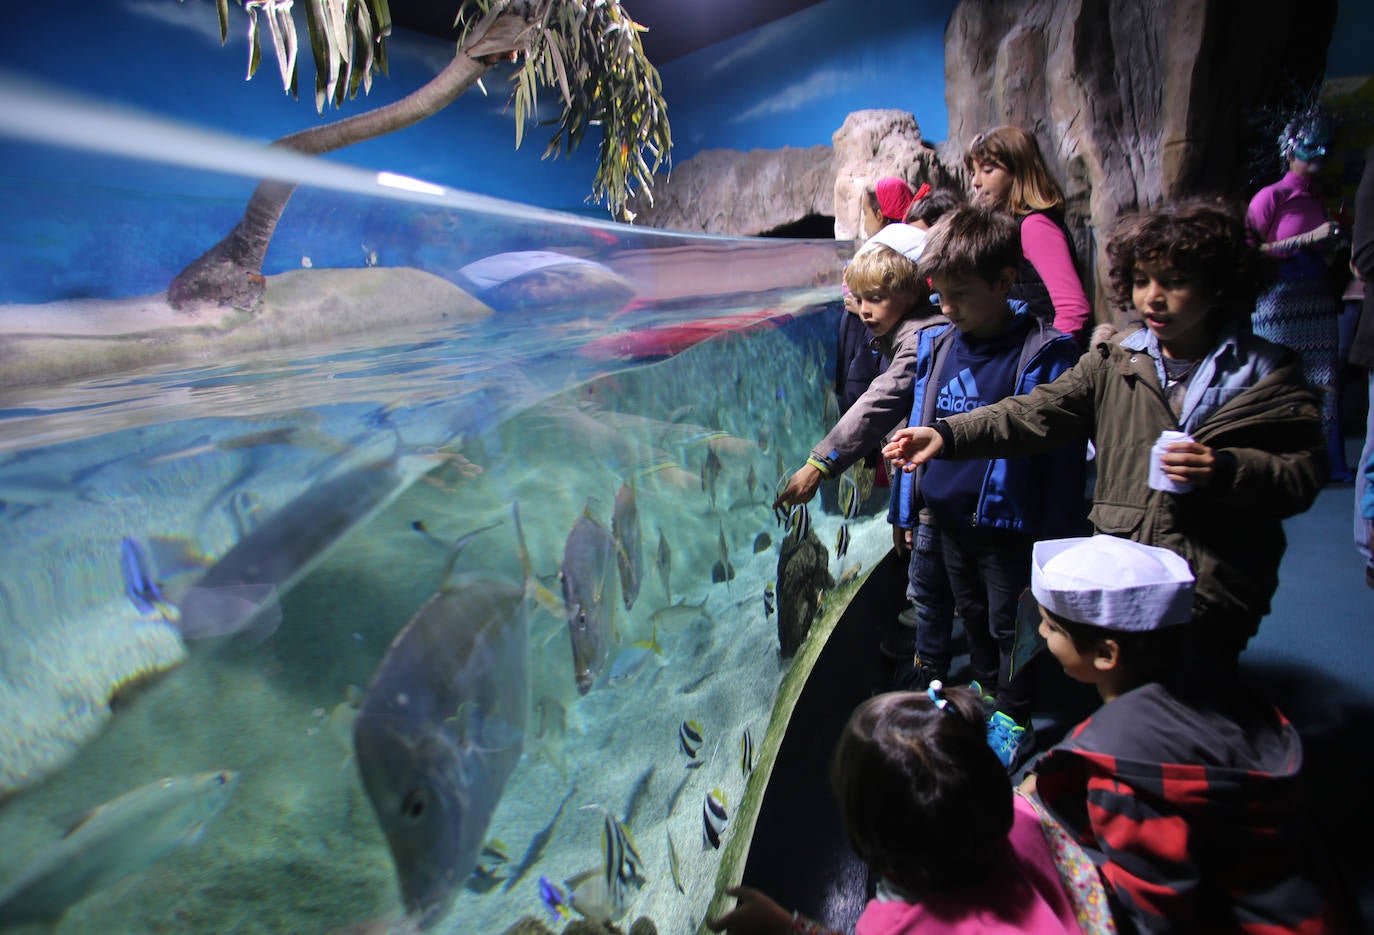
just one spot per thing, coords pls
(1005, 280)
(1106, 655)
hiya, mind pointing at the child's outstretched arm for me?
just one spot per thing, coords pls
(801, 488)
(757, 914)
(912, 447)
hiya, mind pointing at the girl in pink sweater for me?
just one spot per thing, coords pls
(929, 807)
(1008, 172)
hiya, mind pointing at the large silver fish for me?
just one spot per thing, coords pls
(442, 728)
(116, 839)
(241, 591)
(586, 576)
(629, 544)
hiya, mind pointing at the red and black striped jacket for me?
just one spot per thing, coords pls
(1193, 814)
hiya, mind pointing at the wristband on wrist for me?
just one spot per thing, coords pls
(819, 465)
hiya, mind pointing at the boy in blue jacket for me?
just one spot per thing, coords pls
(988, 512)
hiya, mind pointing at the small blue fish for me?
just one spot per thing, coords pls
(555, 899)
(145, 593)
(714, 817)
(770, 600)
(689, 737)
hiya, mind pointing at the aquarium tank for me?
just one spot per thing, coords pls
(439, 591)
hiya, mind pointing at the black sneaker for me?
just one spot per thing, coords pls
(898, 644)
(920, 677)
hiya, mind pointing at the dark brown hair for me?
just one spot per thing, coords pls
(972, 240)
(1017, 153)
(1162, 655)
(1201, 237)
(933, 206)
(925, 801)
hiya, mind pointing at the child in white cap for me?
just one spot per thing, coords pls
(1184, 794)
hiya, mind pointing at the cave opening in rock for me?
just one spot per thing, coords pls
(811, 227)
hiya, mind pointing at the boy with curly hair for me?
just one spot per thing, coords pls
(1256, 452)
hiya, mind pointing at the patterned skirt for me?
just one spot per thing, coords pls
(1301, 314)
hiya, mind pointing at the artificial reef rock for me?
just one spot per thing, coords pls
(724, 191)
(1132, 103)
(803, 573)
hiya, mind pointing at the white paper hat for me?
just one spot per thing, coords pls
(907, 240)
(1112, 583)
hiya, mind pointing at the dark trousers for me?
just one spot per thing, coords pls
(930, 594)
(988, 573)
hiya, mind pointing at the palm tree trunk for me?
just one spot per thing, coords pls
(230, 272)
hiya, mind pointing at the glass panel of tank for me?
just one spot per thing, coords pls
(437, 591)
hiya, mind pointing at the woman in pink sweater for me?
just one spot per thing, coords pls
(1008, 172)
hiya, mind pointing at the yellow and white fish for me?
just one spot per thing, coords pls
(714, 817)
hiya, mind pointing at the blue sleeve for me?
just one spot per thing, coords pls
(1064, 470)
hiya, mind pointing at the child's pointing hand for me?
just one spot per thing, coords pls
(913, 447)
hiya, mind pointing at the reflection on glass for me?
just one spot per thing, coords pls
(444, 587)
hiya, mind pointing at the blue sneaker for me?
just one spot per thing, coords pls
(1009, 740)
(989, 702)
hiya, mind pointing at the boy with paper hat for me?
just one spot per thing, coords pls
(1183, 791)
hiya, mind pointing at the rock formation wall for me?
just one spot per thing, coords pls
(724, 191)
(1133, 102)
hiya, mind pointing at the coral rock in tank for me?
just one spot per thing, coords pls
(803, 573)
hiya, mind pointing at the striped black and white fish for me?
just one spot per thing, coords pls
(714, 817)
(689, 737)
(849, 496)
(842, 541)
(621, 861)
(746, 754)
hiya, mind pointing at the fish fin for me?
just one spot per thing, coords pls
(548, 600)
(577, 879)
(458, 550)
(232, 608)
(174, 555)
(70, 822)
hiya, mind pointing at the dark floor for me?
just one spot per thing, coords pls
(1314, 656)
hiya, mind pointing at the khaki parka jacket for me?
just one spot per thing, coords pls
(1268, 439)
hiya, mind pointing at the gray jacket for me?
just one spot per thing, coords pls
(886, 403)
